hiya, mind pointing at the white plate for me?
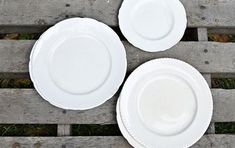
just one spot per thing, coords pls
(123, 129)
(78, 64)
(165, 103)
(152, 25)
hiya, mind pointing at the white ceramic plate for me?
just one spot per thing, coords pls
(152, 25)
(165, 103)
(123, 129)
(78, 64)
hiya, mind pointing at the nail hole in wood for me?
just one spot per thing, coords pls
(66, 16)
(64, 111)
(206, 62)
(67, 5)
(63, 146)
(202, 7)
(203, 18)
(205, 50)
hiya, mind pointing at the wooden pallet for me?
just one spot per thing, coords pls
(25, 106)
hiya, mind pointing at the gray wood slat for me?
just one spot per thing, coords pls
(21, 106)
(216, 141)
(63, 129)
(224, 105)
(207, 57)
(207, 141)
(26, 106)
(202, 34)
(200, 13)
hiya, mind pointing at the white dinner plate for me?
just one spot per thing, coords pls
(152, 25)
(78, 64)
(164, 103)
(123, 129)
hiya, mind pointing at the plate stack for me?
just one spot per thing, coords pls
(164, 103)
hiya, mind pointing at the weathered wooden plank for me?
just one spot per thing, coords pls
(207, 57)
(21, 106)
(64, 142)
(26, 106)
(64, 130)
(216, 141)
(14, 56)
(210, 13)
(224, 105)
(203, 36)
(48, 12)
(200, 13)
(207, 141)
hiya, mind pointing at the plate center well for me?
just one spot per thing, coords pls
(80, 64)
(167, 105)
(152, 19)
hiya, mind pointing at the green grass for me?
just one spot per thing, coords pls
(95, 130)
(225, 83)
(16, 83)
(232, 38)
(28, 130)
(20, 36)
(225, 128)
(25, 36)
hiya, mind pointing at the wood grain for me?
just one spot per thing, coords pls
(207, 57)
(200, 13)
(207, 141)
(63, 130)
